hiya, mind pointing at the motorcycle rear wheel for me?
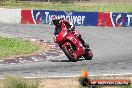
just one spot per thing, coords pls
(69, 55)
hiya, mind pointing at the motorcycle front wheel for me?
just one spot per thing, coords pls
(69, 52)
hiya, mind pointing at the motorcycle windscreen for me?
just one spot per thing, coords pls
(57, 30)
(62, 34)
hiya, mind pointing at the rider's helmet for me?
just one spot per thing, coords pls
(55, 20)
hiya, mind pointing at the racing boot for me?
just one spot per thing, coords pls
(86, 45)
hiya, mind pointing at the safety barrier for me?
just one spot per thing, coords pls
(78, 18)
(109, 19)
(10, 15)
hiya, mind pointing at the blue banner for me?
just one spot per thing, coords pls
(121, 19)
(77, 18)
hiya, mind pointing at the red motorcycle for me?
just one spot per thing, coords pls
(71, 45)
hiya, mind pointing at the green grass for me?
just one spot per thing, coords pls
(72, 6)
(126, 86)
(17, 82)
(12, 46)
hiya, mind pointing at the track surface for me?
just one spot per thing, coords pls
(112, 48)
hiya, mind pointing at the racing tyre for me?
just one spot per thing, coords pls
(69, 52)
(88, 54)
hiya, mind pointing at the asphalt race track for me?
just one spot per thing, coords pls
(112, 48)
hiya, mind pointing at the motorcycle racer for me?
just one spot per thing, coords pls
(70, 28)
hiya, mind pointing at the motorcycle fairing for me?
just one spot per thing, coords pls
(59, 37)
(79, 47)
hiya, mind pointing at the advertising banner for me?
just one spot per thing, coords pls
(26, 17)
(104, 19)
(45, 17)
(78, 18)
(114, 19)
(121, 19)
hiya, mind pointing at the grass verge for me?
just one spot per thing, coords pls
(17, 82)
(13, 47)
(92, 7)
(58, 82)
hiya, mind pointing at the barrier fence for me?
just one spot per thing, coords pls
(109, 19)
(78, 18)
